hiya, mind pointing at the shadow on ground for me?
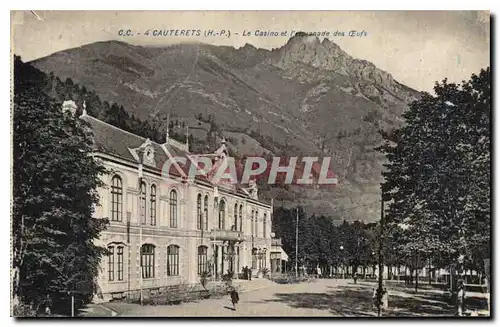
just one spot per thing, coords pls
(356, 301)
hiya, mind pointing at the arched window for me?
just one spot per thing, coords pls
(264, 226)
(152, 205)
(172, 260)
(116, 198)
(173, 209)
(256, 221)
(205, 211)
(142, 202)
(148, 260)
(241, 217)
(199, 213)
(251, 223)
(222, 214)
(115, 256)
(202, 259)
(111, 263)
(235, 226)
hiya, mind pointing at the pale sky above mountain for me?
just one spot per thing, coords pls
(417, 48)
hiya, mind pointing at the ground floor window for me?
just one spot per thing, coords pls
(147, 260)
(237, 259)
(202, 259)
(173, 260)
(120, 262)
(111, 263)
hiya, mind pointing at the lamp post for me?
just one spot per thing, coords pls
(342, 256)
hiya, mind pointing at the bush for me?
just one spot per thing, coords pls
(228, 277)
(23, 310)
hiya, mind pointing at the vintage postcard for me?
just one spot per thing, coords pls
(251, 164)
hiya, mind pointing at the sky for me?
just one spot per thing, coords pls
(416, 47)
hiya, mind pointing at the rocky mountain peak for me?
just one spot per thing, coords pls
(326, 57)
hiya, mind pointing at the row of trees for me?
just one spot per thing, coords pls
(323, 243)
(437, 182)
(437, 192)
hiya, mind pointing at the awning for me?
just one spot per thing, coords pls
(277, 252)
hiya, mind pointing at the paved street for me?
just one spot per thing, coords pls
(322, 297)
(274, 300)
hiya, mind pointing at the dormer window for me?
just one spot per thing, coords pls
(149, 156)
(147, 151)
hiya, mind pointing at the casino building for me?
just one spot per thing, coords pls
(165, 230)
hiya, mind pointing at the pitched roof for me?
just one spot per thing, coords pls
(114, 141)
(117, 142)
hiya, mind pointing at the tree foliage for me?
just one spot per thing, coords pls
(55, 181)
(320, 240)
(438, 173)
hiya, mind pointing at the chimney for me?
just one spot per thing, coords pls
(70, 106)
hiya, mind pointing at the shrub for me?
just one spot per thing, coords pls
(23, 310)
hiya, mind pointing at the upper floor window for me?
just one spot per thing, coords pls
(172, 260)
(256, 222)
(235, 226)
(264, 226)
(152, 205)
(241, 217)
(148, 260)
(116, 198)
(173, 209)
(205, 211)
(252, 226)
(222, 214)
(199, 213)
(142, 203)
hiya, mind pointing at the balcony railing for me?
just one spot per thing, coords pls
(276, 242)
(227, 235)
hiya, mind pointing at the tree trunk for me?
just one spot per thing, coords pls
(416, 280)
(430, 274)
(416, 272)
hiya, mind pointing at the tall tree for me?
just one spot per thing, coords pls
(438, 172)
(55, 181)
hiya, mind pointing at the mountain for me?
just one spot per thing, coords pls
(305, 98)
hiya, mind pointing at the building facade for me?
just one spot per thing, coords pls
(164, 228)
